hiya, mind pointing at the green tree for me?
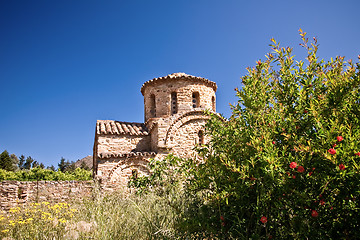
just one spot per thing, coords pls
(84, 166)
(15, 161)
(21, 162)
(8, 162)
(63, 164)
(28, 162)
(66, 166)
(51, 168)
(286, 164)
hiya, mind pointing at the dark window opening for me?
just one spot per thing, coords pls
(134, 173)
(196, 99)
(174, 109)
(213, 103)
(152, 106)
(201, 137)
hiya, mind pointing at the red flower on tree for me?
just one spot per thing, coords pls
(332, 151)
(263, 219)
(301, 169)
(357, 154)
(314, 213)
(293, 165)
(339, 138)
(341, 167)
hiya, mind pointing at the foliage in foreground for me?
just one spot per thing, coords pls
(286, 164)
(39, 174)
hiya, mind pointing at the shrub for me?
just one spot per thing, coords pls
(286, 164)
(40, 174)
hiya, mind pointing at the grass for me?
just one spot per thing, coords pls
(105, 216)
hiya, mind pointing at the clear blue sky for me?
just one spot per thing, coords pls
(65, 64)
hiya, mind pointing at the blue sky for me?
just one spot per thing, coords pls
(65, 64)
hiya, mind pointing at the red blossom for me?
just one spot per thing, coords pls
(314, 213)
(222, 218)
(334, 145)
(332, 151)
(263, 219)
(341, 167)
(293, 176)
(305, 111)
(357, 154)
(293, 165)
(273, 142)
(310, 173)
(258, 62)
(339, 138)
(300, 169)
(322, 202)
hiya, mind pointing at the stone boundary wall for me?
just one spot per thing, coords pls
(13, 193)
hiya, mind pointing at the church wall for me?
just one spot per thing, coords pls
(184, 90)
(119, 170)
(185, 138)
(122, 144)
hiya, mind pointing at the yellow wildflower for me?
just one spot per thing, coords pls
(5, 230)
(62, 220)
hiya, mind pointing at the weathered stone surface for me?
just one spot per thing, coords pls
(175, 116)
(13, 193)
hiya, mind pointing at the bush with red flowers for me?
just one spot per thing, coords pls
(285, 165)
(311, 110)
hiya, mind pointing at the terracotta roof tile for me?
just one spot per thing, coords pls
(130, 154)
(120, 128)
(178, 76)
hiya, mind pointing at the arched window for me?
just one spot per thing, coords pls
(196, 100)
(213, 103)
(174, 103)
(201, 137)
(152, 106)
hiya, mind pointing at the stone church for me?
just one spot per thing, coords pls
(175, 116)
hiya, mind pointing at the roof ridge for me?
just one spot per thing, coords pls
(177, 76)
(114, 127)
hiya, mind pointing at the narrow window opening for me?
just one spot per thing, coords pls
(201, 137)
(213, 103)
(196, 99)
(174, 108)
(152, 106)
(134, 174)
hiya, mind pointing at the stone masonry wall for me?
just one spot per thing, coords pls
(122, 144)
(186, 138)
(184, 90)
(13, 193)
(120, 170)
